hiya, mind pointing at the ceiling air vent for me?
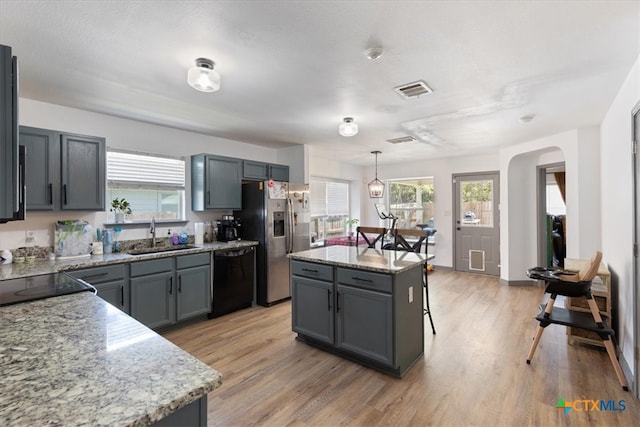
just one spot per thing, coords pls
(401, 140)
(413, 90)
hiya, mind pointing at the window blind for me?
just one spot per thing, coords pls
(329, 198)
(140, 170)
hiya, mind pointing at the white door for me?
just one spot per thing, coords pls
(477, 223)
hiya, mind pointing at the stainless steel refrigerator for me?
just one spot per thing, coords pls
(277, 215)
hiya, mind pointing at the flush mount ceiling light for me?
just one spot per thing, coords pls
(202, 77)
(348, 127)
(528, 118)
(376, 187)
(373, 53)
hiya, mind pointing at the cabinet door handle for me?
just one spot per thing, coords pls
(50, 193)
(122, 295)
(338, 302)
(362, 280)
(329, 299)
(64, 193)
(170, 285)
(179, 283)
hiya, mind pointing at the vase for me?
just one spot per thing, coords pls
(119, 217)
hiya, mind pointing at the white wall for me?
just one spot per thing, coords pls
(130, 135)
(441, 170)
(580, 150)
(617, 206)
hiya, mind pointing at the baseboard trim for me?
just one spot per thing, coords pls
(517, 282)
(441, 268)
(626, 370)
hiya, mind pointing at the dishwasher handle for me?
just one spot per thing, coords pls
(232, 253)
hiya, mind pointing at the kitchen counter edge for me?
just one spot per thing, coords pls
(14, 271)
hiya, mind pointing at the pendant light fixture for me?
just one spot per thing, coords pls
(202, 77)
(348, 127)
(376, 187)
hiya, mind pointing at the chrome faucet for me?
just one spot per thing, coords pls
(153, 232)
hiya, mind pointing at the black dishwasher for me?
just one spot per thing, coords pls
(233, 280)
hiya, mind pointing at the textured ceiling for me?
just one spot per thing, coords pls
(291, 70)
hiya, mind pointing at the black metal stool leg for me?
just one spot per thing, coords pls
(426, 294)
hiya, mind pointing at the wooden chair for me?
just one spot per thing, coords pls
(401, 244)
(574, 285)
(365, 232)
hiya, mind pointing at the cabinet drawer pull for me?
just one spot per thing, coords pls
(309, 270)
(170, 285)
(362, 280)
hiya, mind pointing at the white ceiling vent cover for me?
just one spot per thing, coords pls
(401, 140)
(413, 90)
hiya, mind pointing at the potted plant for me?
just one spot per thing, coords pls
(350, 223)
(120, 207)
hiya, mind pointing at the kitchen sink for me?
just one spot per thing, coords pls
(149, 250)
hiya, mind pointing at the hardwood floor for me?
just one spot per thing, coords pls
(474, 371)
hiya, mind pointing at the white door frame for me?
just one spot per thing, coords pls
(635, 138)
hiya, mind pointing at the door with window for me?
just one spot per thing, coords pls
(477, 223)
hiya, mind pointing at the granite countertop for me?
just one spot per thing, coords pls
(76, 360)
(381, 261)
(14, 271)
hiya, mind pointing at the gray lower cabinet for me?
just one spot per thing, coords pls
(374, 318)
(193, 415)
(111, 283)
(65, 171)
(166, 291)
(312, 308)
(152, 292)
(365, 323)
(194, 286)
(216, 182)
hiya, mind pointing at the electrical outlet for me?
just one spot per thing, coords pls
(30, 238)
(410, 294)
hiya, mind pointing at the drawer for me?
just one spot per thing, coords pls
(143, 268)
(312, 270)
(194, 260)
(365, 279)
(97, 275)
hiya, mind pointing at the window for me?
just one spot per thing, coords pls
(411, 201)
(153, 185)
(329, 208)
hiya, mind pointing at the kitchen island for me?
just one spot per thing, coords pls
(361, 303)
(77, 360)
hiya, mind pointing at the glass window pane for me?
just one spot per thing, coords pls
(476, 201)
(411, 201)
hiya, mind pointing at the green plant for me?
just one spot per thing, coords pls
(120, 206)
(351, 222)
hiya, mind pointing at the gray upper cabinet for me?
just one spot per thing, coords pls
(83, 172)
(260, 171)
(216, 182)
(64, 171)
(9, 164)
(43, 166)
